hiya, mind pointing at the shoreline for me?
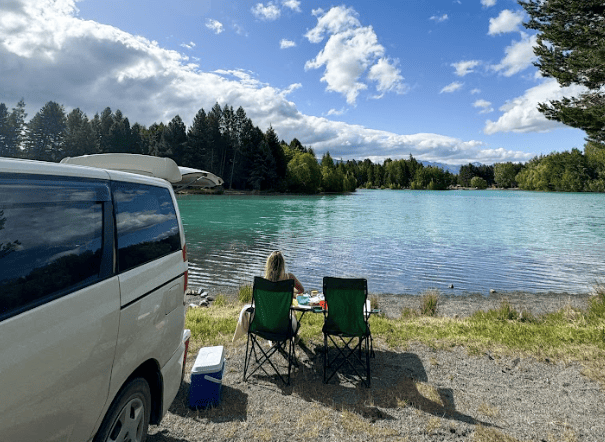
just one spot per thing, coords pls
(462, 305)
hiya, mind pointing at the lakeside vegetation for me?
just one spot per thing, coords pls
(567, 335)
(226, 143)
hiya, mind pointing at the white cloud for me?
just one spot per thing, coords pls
(388, 77)
(488, 3)
(465, 67)
(519, 56)
(452, 87)
(285, 44)
(337, 112)
(521, 114)
(91, 66)
(350, 51)
(439, 18)
(189, 45)
(268, 12)
(292, 4)
(215, 26)
(475, 91)
(507, 21)
(484, 105)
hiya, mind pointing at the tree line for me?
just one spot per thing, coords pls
(223, 141)
(227, 143)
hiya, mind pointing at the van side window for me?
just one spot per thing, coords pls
(51, 239)
(146, 223)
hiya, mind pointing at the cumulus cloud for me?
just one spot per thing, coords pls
(268, 12)
(475, 91)
(521, 114)
(484, 105)
(91, 66)
(215, 26)
(189, 45)
(350, 51)
(519, 56)
(285, 44)
(452, 87)
(465, 67)
(336, 112)
(507, 21)
(292, 4)
(488, 3)
(439, 18)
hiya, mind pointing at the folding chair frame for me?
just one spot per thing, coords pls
(282, 342)
(355, 357)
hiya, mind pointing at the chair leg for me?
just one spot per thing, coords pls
(246, 358)
(325, 356)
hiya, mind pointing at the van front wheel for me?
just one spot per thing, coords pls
(128, 417)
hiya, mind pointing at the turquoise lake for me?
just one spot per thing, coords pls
(402, 241)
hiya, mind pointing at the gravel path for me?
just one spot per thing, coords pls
(417, 394)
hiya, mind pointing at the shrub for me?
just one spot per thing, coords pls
(478, 182)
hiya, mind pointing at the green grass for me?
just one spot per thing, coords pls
(244, 294)
(566, 335)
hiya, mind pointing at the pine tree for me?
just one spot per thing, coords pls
(571, 42)
(46, 131)
(175, 137)
(197, 142)
(4, 131)
(79, 138)
(16, 131)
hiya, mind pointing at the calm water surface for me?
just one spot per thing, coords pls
(402, 241)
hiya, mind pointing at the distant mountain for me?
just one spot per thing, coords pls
(447, 167)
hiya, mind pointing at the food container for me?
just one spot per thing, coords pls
(207, 377)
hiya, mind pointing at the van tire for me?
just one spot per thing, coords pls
(127, 420)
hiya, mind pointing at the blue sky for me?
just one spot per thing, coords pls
(448, 81)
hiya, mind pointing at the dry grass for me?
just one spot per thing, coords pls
(483, 434)
(432, 425)
(488, 410)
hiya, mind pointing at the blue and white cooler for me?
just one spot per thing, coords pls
(207, 377)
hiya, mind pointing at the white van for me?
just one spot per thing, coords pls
(93, 271)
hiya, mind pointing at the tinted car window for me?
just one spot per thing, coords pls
(51, 239)
(146, 223)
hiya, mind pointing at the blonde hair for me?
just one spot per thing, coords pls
(275, 269)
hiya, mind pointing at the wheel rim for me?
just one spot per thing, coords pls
(130, 423)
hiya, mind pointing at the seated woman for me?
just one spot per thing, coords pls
(275, 270)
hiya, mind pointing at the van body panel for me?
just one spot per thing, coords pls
(146, 331)
(55, 365)
(171, 375)
(91, 288)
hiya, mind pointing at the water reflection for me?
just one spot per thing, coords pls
(402, 241)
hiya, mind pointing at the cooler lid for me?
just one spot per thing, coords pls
(209, 360)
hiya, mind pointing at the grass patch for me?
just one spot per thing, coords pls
(566, 335)
(214, 325)
(430, 300)
(244, 295)
(220, 301)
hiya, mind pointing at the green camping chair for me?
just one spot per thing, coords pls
(346, 320)
(271, 320)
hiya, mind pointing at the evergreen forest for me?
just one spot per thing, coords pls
(225, 142)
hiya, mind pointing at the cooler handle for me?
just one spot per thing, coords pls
(211, 379)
